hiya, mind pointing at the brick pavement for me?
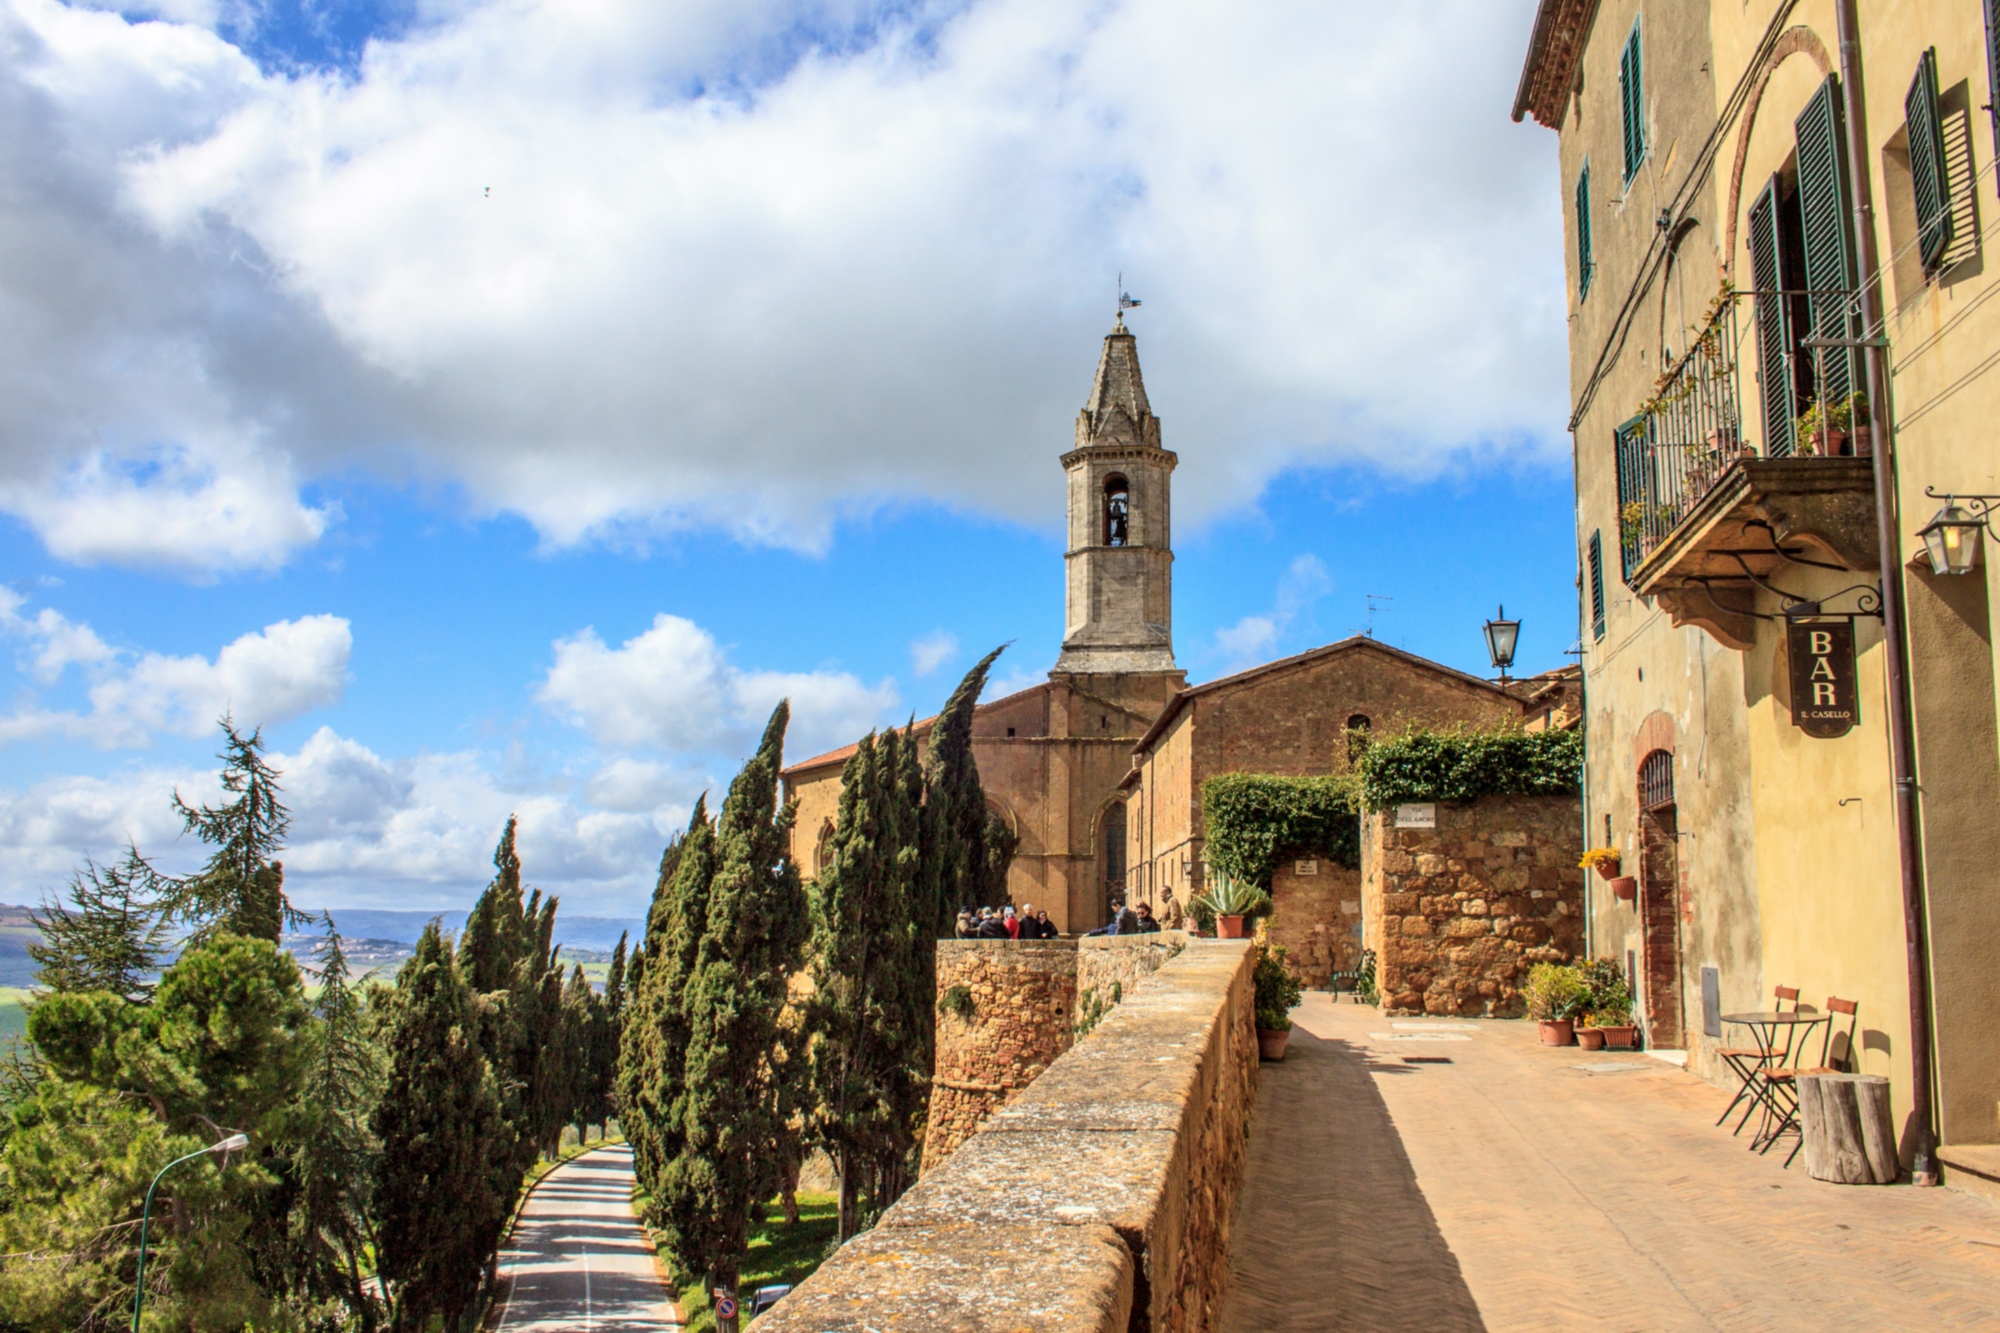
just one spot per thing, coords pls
(1510, 1190)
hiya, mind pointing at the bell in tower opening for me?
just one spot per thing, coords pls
(1119, 597)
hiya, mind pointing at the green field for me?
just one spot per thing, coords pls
(13, 1017)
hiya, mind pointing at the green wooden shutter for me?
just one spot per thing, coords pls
(1929, 181)
(1632, 104)
(1597, 584)
(1823, 222)
(1993, 75)
(1635, 490)
(1774, 325)
(1584, 266)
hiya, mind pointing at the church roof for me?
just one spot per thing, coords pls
(922, 727)
(1118, 413)
(1351, 644)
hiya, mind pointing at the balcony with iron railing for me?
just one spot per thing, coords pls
(1708, 509)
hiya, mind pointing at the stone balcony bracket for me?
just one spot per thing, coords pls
(1821, 510)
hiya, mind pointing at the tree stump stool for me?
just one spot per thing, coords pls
(1844, 1124)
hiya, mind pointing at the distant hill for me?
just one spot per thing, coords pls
(594, 933)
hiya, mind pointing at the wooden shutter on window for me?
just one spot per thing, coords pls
(1928, 179)
(1774, 331)
(1823, 223)
(1584, 267)
(1635, 491)
(1993, 74)
(1632, 104)
(1597, 585)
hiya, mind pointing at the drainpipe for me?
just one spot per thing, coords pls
(1902, 755)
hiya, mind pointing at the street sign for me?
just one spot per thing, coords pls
(725, 1307)
(1422, 814)
(1825, 700)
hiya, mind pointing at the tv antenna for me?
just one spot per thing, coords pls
(1372, 598)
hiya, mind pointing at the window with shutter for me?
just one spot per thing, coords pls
(1774, 325)
(1597, 585)
(1928, 179)
(1993, 74)
(1584, 266)
(1632, 103)
(1821, 135)
(1635, 492)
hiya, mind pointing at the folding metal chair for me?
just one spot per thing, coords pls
(1748, 1060)
(1836, 1056)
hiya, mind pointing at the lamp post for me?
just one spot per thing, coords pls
(228, 1145)
(1951, 538)
(1501, 635)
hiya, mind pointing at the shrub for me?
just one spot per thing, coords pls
(958, 1000)
(1608, 1003)
(1464, 765)
(1555, 991)
(1230, 896)
(1255, 821)
(1278, 989)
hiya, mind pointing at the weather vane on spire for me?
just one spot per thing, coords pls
(1126, 301)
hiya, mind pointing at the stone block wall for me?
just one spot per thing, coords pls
(1316, 917)
(1457, 914)
(1023, 996)
(1097, 1200)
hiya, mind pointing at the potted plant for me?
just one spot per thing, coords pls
(1604, 860)
(1555, 993)
(1278, 991)
(1625, 887)
(1233, 901)
(1608, 1020)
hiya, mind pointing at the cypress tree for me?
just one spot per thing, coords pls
(960, 865)
(730, 1114)
(241, 889)
(109, 936)
(444, 1142)
(653, 1047)
(585, 1024)
(614, 980)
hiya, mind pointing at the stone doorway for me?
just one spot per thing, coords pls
(1113, 885)
(1659, 980)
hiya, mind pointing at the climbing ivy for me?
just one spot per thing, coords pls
(1462, 765)
(1255, 821)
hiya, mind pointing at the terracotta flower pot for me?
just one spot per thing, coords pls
(1271, 1042)
(1558, 1032)
(1591, 1039)
(1229, 927)
(1624, 1038)
(1625, 887)
(1608, 869)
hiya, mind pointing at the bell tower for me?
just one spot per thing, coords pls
(1120, 559)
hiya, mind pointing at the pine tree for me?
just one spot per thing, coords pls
(111, 934)
(444, 1144)
(730, 1111)
(241, 890)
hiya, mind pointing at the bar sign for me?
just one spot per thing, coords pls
(1825, 702)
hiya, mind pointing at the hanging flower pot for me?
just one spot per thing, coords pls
(1608, 869)
(1625, 887)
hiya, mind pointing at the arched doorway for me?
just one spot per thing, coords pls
(1659, 980)
(1111, 831)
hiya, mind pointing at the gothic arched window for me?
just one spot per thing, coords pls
(823, 847)
(1117, 510)
(1112, 834)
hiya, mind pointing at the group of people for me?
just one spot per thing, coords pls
(1030, 923)
(1004, 923)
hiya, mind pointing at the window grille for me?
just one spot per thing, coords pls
(1929, 181)
(1632, 103)
(1656, 780)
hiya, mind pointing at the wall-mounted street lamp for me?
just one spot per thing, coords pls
(1951, 538)
(1501, 636)
(224, 1148)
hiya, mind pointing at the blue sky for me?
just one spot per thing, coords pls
(536, 506)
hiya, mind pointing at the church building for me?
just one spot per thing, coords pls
(1099, 770)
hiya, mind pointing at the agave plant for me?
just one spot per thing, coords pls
(1230, 896)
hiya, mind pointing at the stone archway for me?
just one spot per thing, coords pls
(1659, 979)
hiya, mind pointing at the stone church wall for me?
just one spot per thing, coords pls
(1457, 914)
(1096, 1201)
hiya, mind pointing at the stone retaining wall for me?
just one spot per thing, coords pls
(1022, 996)
(1459, 912)
(1096, 1200)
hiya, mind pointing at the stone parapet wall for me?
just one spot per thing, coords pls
(1458, 913)
(1097, 1200)
(1023, 997)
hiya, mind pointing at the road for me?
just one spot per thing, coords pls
(579, 1260)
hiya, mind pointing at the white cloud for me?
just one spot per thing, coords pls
(752, 265)
(673, 688)
(932, 651)
(268, 676)
(1254, 638)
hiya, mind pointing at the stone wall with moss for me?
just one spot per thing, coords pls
(1458, 913)
(1097, 1200)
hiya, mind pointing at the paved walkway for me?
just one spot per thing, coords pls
(579, 1260)
(1452, 1176)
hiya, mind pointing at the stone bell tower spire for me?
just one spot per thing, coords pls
(1121, 558)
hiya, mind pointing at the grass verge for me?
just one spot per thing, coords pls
(780, 1251)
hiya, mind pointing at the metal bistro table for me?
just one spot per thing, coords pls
(1798, 1026)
